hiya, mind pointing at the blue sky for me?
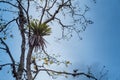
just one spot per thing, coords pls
(100, 44)
(101, 41)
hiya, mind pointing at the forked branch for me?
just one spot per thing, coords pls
(74, 74)
(10, 55)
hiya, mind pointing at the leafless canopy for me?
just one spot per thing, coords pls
(67, 14)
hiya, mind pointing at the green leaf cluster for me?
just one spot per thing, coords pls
(39, 29)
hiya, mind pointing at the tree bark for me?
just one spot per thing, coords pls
(22, 31)
(28, 63)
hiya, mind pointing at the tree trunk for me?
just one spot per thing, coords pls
(28, 64)
(22, 31)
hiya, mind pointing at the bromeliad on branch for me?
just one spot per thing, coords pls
(37, 32)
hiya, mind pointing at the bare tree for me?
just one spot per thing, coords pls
(32, 31)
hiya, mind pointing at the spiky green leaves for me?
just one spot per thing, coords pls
(38, 31)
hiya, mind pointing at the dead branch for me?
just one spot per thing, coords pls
(74, 74)
(7, 64)
(43, 11)
(7, 24)
(10, 55)
(56, 12)
(9, 3)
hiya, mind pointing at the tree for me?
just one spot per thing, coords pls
(32, 31)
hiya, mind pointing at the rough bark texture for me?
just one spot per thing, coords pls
(22, 31)
(28, 63)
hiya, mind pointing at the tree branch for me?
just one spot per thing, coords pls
(74, 74)
(7, 64)
(20, 5)
(9, 3)
(11, 57)
(2, 48)
(56, 12)
(7, 24)
(52, 5)
(43, 11)
(20, 22)
(7, 50)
